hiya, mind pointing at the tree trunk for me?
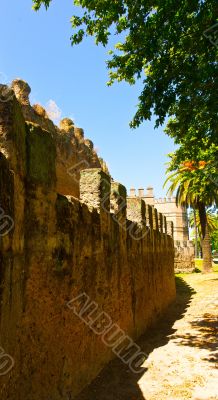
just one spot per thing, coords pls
(205, 240)
(196, 233)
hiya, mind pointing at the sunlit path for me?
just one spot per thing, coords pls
(182, 352)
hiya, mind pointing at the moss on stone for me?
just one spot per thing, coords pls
(41, 154)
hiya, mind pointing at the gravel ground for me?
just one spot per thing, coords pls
(182, 351)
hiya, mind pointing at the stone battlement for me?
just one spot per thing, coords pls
(165, 200)
(72, 137)
(149, 193)
(168, 207)
(184, 256)
(74, 152)
(68, 230)
(177, 216)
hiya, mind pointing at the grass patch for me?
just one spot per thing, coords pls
(199, 265)
(215, 267)
(198, 268)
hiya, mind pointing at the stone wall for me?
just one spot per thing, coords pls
(167, 206)
(175, 213)
(73, 152)
(59, 247)
(176, 219)
(184, 256)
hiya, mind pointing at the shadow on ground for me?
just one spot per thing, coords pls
(116, 381)
(206, 336)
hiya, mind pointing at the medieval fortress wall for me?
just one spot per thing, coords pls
(184, 248)
(168, 207)
(114, 250)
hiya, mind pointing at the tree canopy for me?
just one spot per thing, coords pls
(211, 220)
(195, 168)
(193, 174)
(170, 46)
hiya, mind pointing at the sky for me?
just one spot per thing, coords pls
(35, 46)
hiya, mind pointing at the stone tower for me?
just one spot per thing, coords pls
(176, 214)
(168, 207)
(184, 248)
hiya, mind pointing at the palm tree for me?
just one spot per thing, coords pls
(195, 190)
(211, 220)
(196, 233)
(194, 222)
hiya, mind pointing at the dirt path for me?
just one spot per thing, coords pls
(182, 352)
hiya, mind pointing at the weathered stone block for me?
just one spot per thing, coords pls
(132, 192)
(160, 222)
(67, 126)
(89, 144)
(12, 131)
(136, 210)
(118, 202)
(79, 133)
(184, 256)
(22, 91)
(95, 187)
(41, 156)
(164, 224)
(170, 228)
(155, 219)
(149, 216)
(6, 206)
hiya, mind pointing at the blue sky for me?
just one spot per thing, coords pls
(36, 47)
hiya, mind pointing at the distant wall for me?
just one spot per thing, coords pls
(60, 247)
(167, 206)
(73, 151)
(176, 214)
(184, 256)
